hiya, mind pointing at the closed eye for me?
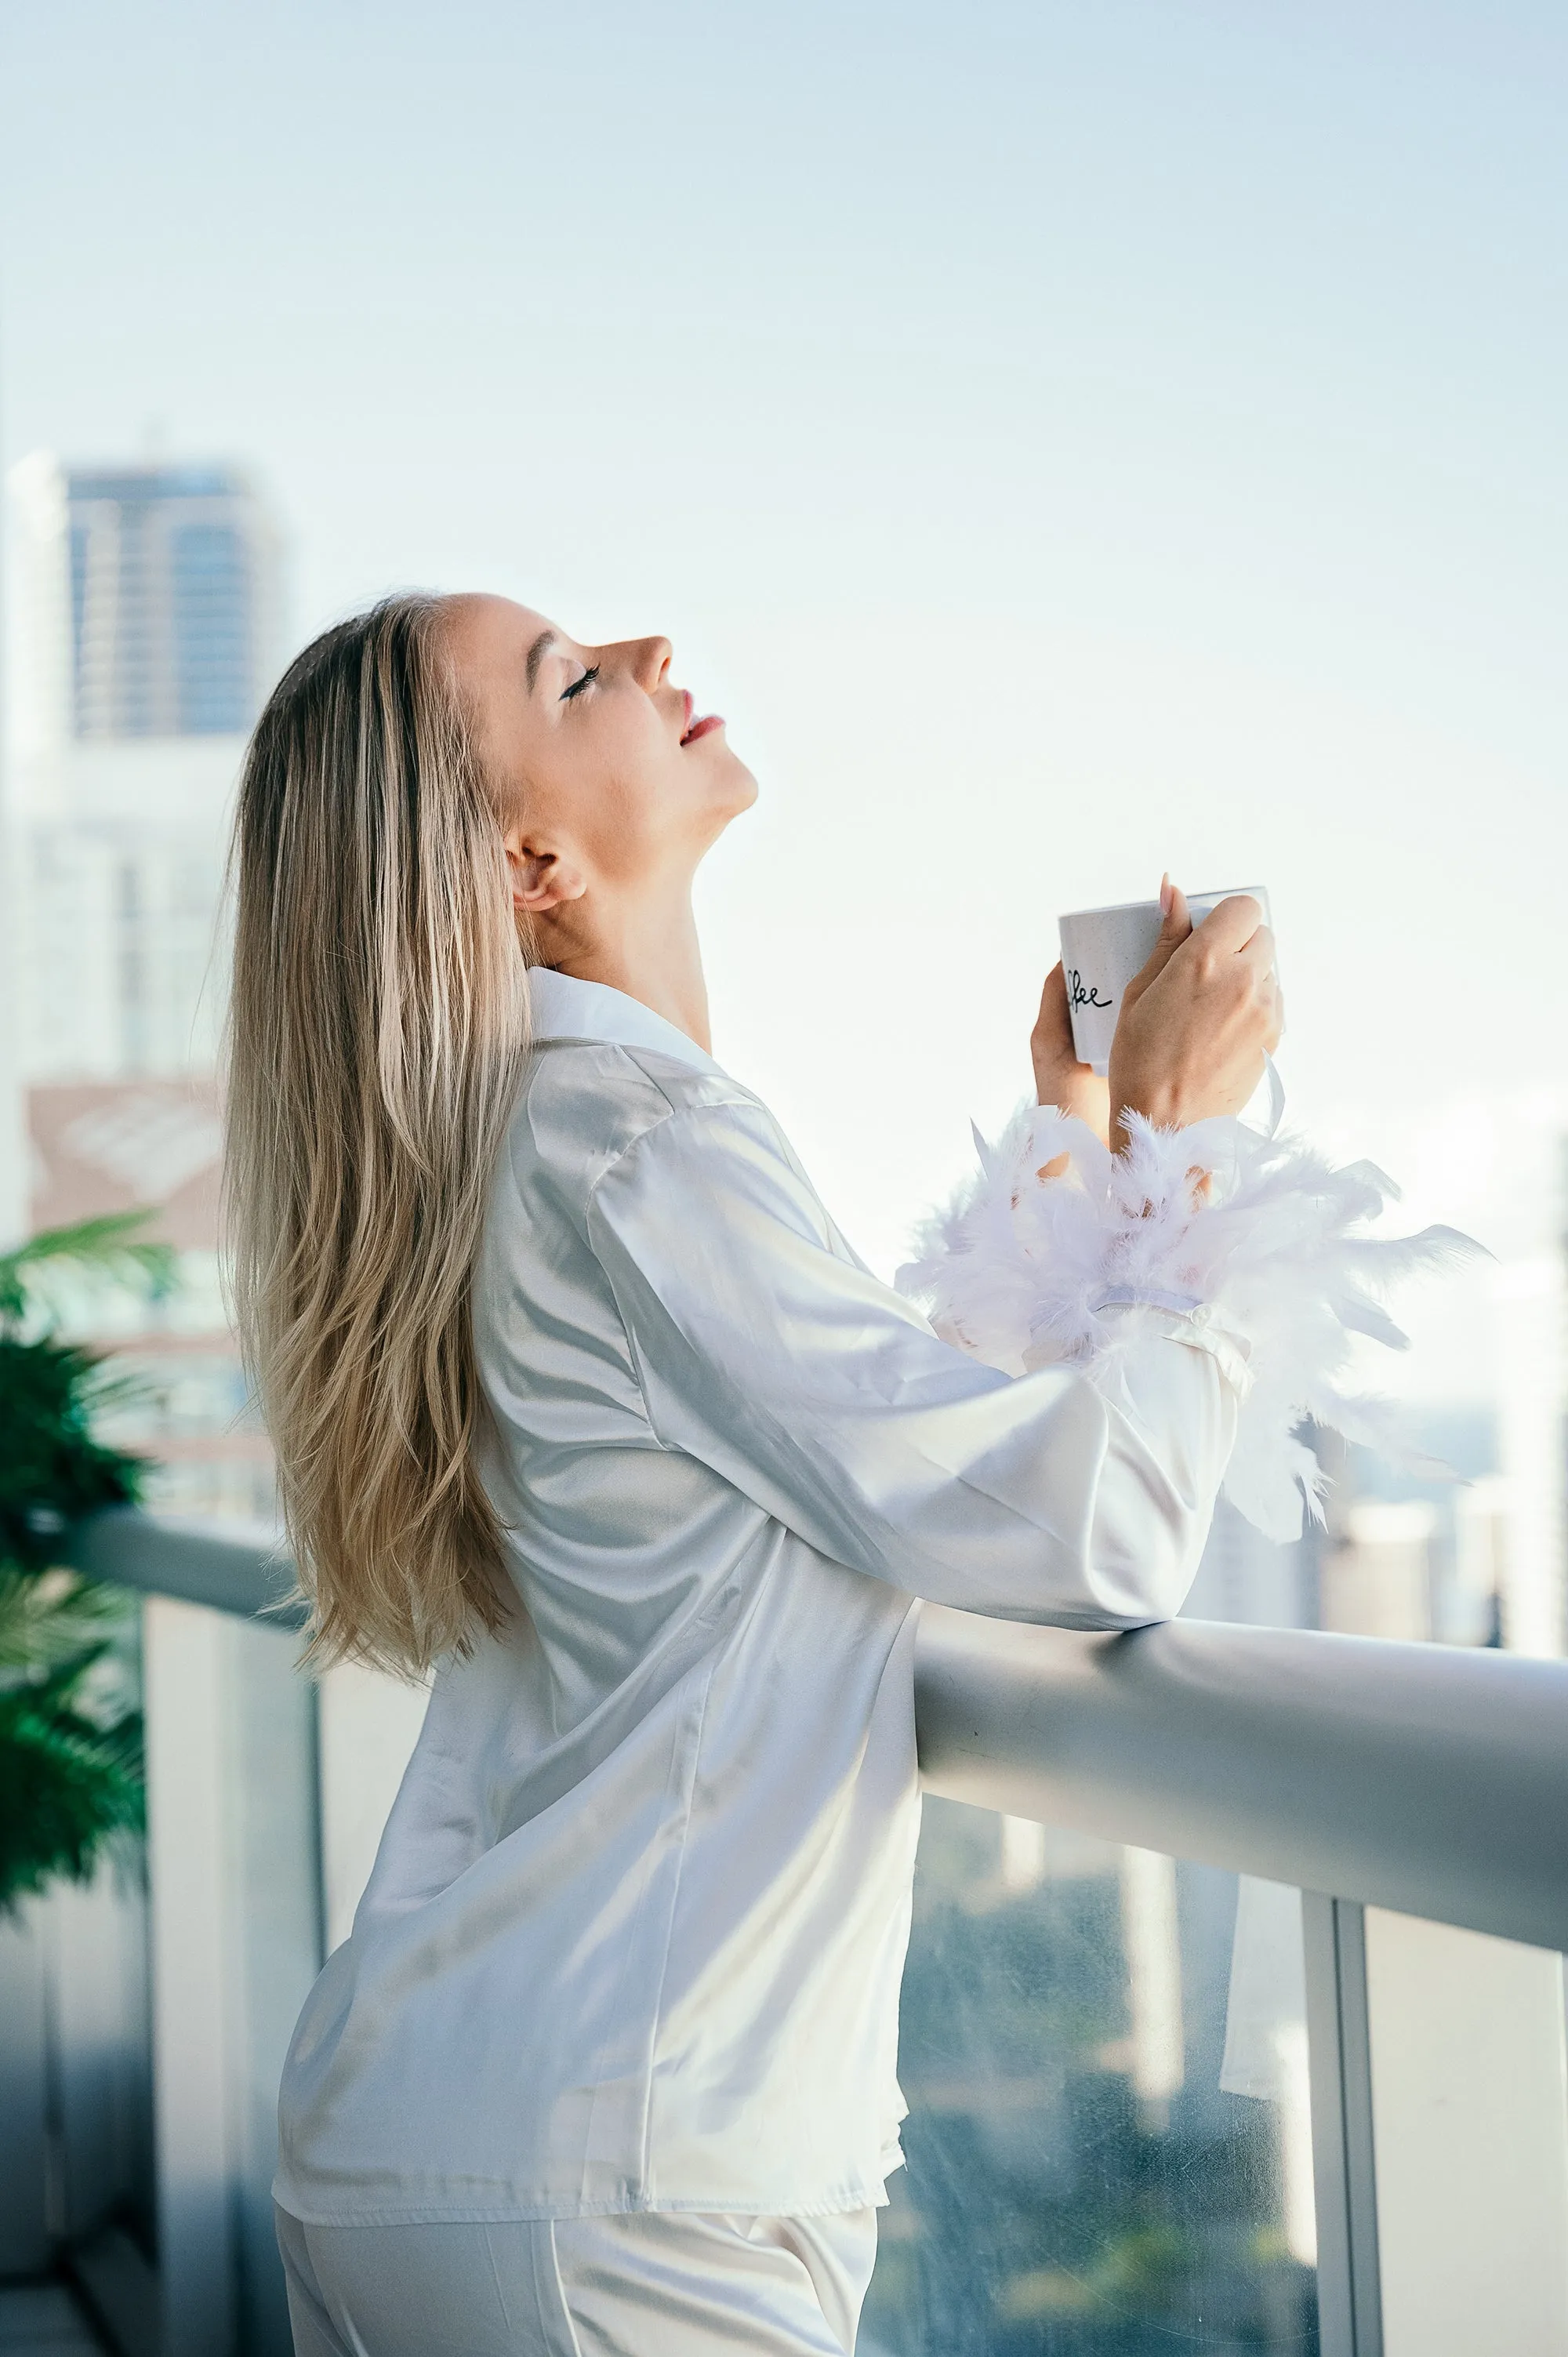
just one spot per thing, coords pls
(579, 685)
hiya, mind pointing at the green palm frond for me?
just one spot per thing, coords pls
(69, 1781)
(71, 1753)
(66, 1790)
(53, 1470)
(50, 1618)
(109, 1246)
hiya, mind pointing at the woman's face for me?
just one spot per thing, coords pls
(604, 769)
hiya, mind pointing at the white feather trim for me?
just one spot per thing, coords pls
(1258, 1240)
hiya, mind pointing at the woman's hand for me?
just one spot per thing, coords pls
(1059, 1078)
(1196, 1024)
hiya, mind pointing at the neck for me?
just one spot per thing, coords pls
(649, 950)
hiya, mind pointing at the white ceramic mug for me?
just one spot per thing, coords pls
(1103, 949)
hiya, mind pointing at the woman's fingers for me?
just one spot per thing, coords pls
(1053, 1024)
(1059, 1078)
(1232, 924)
(1050, 1041)
(1257, 950)
(1253, 973)
(1176, 926)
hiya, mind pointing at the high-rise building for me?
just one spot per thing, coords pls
(144, 607)
(171, 597)
(145, 635)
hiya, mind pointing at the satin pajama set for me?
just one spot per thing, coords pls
(610, 2060)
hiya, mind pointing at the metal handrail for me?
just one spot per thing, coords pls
(231, 1567)
(1429, 1778)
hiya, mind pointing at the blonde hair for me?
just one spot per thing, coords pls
(378, 1029)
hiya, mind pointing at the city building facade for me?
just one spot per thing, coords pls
(145, 632)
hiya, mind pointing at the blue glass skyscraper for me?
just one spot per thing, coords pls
(147, 631)
(169, 579)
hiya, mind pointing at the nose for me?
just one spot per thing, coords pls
(648, 659)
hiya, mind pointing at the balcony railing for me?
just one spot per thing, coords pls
(1384, 1782)
(1416, 1797)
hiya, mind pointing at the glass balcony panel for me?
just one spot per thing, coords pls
(236, 1941)
(1079, 2182)
(1470, 2130)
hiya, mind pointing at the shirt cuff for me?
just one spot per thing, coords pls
(1253, 1247)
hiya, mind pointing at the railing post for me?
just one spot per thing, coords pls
(1349, 2295)
(185, 1653)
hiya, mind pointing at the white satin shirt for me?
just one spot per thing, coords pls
(634, 1937)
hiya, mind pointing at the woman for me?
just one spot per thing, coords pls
(578, 1394)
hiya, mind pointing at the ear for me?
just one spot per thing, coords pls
(541, 879)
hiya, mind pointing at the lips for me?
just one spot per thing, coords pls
(695, 729)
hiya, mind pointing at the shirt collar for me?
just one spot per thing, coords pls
(567, 1009)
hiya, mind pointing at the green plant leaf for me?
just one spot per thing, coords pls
(70, 1756)
(53, 1617)
(53, 1470)
(110, 1244)
(67, 1784)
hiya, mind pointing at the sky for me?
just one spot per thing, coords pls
(1066, 442)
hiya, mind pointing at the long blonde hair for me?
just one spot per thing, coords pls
(378, 1029)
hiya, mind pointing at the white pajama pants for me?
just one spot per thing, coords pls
(659, 2283)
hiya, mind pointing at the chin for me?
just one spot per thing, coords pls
(724, 789)
(739, 786)
(727, 789)
(736, 791)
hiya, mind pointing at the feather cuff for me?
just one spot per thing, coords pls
(1255, 1241)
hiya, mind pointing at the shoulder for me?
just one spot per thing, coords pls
(585, 1103)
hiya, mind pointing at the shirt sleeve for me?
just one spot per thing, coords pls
(1081, 1497)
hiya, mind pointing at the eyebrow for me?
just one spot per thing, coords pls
(536, 654)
